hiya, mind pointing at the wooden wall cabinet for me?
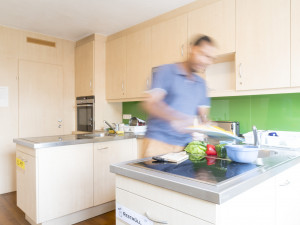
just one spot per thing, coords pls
(169, 41)
(138, 63)
(115, 68)
(217, 20)
(84, 69)
(262, 44)
(295, 43)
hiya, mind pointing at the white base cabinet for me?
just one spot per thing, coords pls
(105, 154)
(275, 201)
(69, 183)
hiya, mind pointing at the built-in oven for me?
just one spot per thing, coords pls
(85, 113)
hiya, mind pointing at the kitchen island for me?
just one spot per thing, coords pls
(65, 179)
(266, 193)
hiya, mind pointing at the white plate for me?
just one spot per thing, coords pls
(215, 133)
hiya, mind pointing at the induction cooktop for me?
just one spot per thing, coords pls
(209, 170)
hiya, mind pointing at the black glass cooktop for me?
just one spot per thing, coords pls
(209, 170)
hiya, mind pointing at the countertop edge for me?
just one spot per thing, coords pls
(37, 145)
(217, 194)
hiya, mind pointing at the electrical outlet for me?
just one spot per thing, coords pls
(126, 116)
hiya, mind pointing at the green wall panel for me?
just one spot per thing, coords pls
(267, 112)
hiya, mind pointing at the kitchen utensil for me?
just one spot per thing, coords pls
(242, 153)
(214, 133)
(110, 126)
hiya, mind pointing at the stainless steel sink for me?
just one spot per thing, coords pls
(264, 153)
(99, 135)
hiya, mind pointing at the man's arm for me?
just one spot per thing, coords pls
(203, 112)
(155, 107)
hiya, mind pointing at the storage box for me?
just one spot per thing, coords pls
(141, 130)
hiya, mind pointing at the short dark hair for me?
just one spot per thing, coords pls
(203, 38)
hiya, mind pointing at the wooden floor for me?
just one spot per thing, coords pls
(10, 214)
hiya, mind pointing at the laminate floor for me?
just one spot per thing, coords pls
(10, 214)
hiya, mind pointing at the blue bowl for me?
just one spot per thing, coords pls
(242, 153)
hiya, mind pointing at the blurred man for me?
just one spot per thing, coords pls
(177, 95)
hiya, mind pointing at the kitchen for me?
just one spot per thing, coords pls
(245, 85)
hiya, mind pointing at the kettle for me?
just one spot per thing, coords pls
(134, 121)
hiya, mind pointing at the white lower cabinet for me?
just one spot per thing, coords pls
(26, 184)
(65, 180)
(275, 201)
(68, 184)
(105, 154)
(156, 212)
(288, 197)
(55, 182)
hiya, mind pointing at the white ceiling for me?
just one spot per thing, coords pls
(75, 19)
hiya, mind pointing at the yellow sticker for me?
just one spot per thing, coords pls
(20, 163)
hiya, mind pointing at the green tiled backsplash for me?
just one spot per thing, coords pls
(267, 112)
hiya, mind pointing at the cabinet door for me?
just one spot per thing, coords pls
(115, 68)
(40, 48)
(138, 63)
(169, 41)
(216, 20)
(262, 44)
(26, 185)
(105, 154)
(84, 69)
(295, 43)
(65, 180)
(154, 210)
(288, 198)
(40, 99)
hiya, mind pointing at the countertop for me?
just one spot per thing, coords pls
(72, 139)
(215, 193)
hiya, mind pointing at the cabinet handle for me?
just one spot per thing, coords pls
(59, 121)
(155, 220)
(102, 148)
(240, 70)
(182, 49)
(59, 126)
(122, 85)
(286, 183)
(90, 83)
(147, 83)
(24, 160)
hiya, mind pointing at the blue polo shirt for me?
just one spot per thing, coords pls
(183, 95)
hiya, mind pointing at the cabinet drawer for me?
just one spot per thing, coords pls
(154, 210)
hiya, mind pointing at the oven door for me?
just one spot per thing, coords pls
(85, 117)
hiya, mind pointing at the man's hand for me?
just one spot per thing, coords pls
(180, 125)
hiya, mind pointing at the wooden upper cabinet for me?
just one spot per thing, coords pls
(41, 48)
(216, 20)
(169, 41)
(295, 43)
(262, 44)
(115, 68)
(138, 63)
(9, 42)
(84, 69)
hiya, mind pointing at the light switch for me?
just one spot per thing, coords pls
(126, 116)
